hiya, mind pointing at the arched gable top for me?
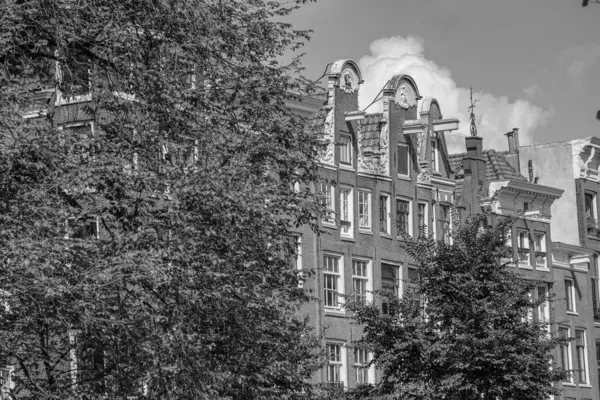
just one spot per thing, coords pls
(337, 67)
(430, 105)
(398, 81)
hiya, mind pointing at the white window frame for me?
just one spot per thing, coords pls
(409, 229)
(328, 191)
(540, 249)
(61, 99)
(543, 309)
(299, 263)
(584, 360)
(367, 277)
(407, 161)
(399, 276)
(524, 252)
(386, 220)
(446, 239)
(340, 361)
(346, 211)
(570, 301)
(434, 155)
(361, 367)
(339, 283)
(346, 148)
(425, 218)
(362, 225)
(566, 349)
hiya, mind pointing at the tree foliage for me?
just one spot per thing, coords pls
(475, 334)
(148, 250)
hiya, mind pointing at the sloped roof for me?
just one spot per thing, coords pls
(370, 129)
(497, 168)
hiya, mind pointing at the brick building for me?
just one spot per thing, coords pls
(384, 173)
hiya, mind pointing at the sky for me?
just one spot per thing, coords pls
(532, 64)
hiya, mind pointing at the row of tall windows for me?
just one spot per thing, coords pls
(337, 366)
(364, 212)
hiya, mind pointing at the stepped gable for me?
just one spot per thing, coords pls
(497, 168)
(370, 133)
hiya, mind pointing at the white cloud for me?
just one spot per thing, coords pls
(531, 90)
(495, 115)
(577, 62)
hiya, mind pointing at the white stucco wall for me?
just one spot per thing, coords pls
(553, 164)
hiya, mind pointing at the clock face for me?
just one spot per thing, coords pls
(405, 96)
(348, 81)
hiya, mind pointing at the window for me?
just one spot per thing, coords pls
(523, 246)
(298, 240)
(570, 295)
(580, 344)
(594, 283)
(346, 149)
(389, 283)
(412, 287)
(346, 208)
(73, 78)
(590, 207)
(364, 209)
(82, 229)
(6, 381)
(326, 191)
(598, 361)
(403, 160)
(87, 363)
(565, 351)
(335, 366)
(540, 249)
(543, 309)
(445, 223)
(402, 216)
(384, 213)
(434, 156)
(422, 219)
(361, 361)
(332, 281)
(360, 280)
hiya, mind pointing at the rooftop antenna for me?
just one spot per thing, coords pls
(471, 109)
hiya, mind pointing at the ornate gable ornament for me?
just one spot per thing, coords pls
(377, 162)
(326, 154)
(406, 96)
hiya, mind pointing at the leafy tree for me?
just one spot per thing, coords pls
(474, 335)
(147, 197)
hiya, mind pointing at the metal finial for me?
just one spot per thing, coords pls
(471, 109)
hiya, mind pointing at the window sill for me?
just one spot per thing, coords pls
(334, 311)
(543, 268)
(404, 177)
(365, 231)
(329, 225)
(347, 167)
(572, 313)
(585, 385)
(525, 266)
(568, 384)
(385, 235)
(347, 238)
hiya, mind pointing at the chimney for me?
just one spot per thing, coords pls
(513, 149)
(474, 168)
